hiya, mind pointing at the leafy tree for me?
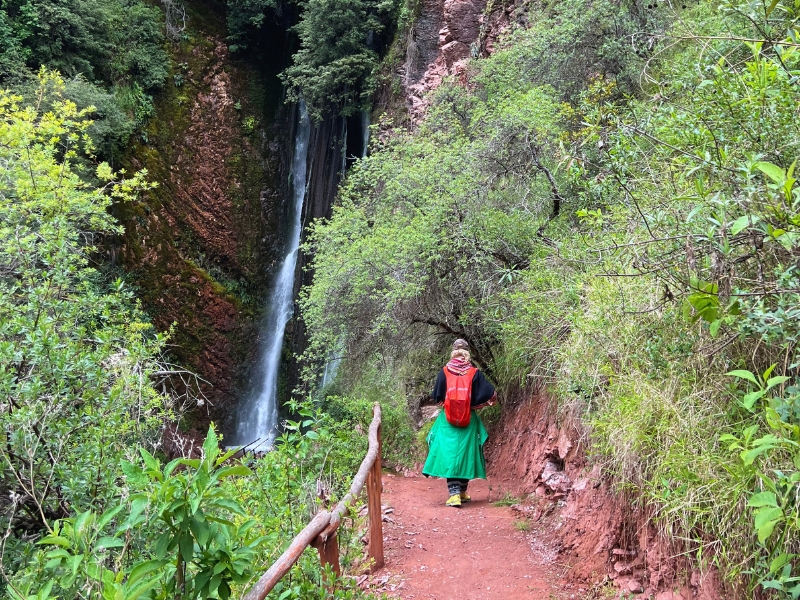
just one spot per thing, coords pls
(246, 20)
(111, 49)
(335, 65)
(75, 353)
(625, 248)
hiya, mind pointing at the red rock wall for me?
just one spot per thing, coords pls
(605, 542)
(200, 246)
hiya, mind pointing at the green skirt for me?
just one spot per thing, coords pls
(456, 452)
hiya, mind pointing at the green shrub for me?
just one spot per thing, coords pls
(615, 217)
(76, 354)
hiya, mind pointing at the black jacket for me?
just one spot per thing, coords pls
(482, 390)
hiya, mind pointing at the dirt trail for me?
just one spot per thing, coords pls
(439, 553)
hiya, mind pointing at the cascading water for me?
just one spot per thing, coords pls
(257, 424)
(364, 132)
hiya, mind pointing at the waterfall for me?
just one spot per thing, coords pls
(364, 132)
(258, 418)
(333, 362)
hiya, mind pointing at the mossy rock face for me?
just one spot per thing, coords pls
(201, 246)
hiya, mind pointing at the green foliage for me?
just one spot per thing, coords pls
(508, 499)
(245, 20)
(203, 528)
(772, 461)
(397, 433)
(564, 44)
(104, 46)
(522, 526)
(200, 552)
(336, 63)
(81, 517)
(429, 233)
(627, 249)
(340, 43)
(75, 353)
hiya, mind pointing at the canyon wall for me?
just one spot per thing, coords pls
(201, 247)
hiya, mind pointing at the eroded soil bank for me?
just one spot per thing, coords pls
(545, 524)
(603, 545)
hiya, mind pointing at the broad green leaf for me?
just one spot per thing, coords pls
(789, 240)
(741, 374)
(200, 530)
(750, 455)
(192, 463)
(767, 514)
(82, 521)
(713, 328)
(55, 540)
(162, 544)
(231, 505)
(186, 547)
(777, 380)
(751, 398)
(138, 591)
(133, 472)
(145, 568)
(107, 516)
(150, 462)
(170, 467)
(200, 581)
(766, 530)
(44, 592)
(772, 171)
(779, 561)
(236, 470)
(762, 499)
(73, 562)
(138, 504)
(108, 542)
(769, 371)
(211, 445)
(744, 222)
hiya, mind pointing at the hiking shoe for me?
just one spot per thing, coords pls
(464, 497)
(454, 500)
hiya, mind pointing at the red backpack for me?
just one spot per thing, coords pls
(458, 398)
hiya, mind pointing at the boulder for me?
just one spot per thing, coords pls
(454, 52)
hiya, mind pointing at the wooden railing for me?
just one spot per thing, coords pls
(321, 531)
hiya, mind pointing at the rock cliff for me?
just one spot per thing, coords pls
(201, 246)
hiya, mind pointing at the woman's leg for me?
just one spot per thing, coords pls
(463, 483)
(454, 486)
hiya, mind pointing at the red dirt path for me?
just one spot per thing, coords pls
(440, 553)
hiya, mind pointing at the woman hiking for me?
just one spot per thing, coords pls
(456, 439)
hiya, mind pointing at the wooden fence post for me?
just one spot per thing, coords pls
(329, 552)
(374, 488)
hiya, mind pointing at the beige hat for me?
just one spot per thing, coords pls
(460, 344)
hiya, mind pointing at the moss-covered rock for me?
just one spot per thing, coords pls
(200, 246)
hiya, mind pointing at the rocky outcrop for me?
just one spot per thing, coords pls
(200, 246)
(444, 37)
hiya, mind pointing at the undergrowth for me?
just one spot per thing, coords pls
(613, 217)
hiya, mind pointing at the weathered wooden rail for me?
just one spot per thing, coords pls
(321, 531)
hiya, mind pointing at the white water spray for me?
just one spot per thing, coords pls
(258, 419)
(364, 132)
